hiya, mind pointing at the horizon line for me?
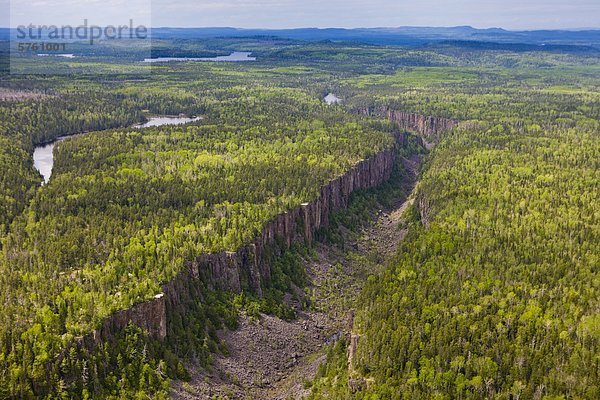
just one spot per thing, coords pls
(569, 29)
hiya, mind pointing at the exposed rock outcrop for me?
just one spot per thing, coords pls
(424, 208)
(148, 315)
(295, 348)
(227, 271)
(422, 124)
(427, 126)
(248, 267)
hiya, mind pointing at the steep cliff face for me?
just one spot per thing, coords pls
(247, 267)
(422, 124)
(149, 315)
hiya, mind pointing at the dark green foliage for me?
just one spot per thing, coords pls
(24, 124)
(497, 294)
(494, 292)
(332, 377)
(193, 325)
(494, 296)
(126, 209)
(128, 366)
(363, 202)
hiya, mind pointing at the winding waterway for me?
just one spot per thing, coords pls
(43, 155)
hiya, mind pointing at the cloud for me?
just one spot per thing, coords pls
(353, 13)
(74, 12)
(511, 14)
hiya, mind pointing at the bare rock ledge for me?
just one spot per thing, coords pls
(229, 270)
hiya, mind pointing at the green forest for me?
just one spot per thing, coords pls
(492, 294)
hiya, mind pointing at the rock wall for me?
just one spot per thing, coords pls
(149, 315)
(422, 124)
(247, 267)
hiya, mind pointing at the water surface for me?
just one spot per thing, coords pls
(236, 56)
(57, 55)
(158, 121)
(43, 159)
(43, 155)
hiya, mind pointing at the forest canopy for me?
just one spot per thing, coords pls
(492, 294)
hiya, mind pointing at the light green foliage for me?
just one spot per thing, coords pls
(497, 295)
(126, 209)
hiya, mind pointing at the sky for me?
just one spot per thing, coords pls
(508, 14)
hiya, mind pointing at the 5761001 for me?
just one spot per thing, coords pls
(41, 46)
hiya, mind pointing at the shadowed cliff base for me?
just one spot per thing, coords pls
(269, 358)
(247, 269)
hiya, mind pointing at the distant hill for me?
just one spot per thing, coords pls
(398, 36)
(369, 36)
(403, 36)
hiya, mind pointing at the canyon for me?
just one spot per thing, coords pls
(427, 126)
(247, 268)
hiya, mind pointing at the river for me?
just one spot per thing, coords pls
(43, 155)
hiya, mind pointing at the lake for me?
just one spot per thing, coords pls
(57, 55)
(236, 56)
(43, 155)
(43, 158)
(158, 121)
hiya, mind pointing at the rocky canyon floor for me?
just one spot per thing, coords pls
(270, 358)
